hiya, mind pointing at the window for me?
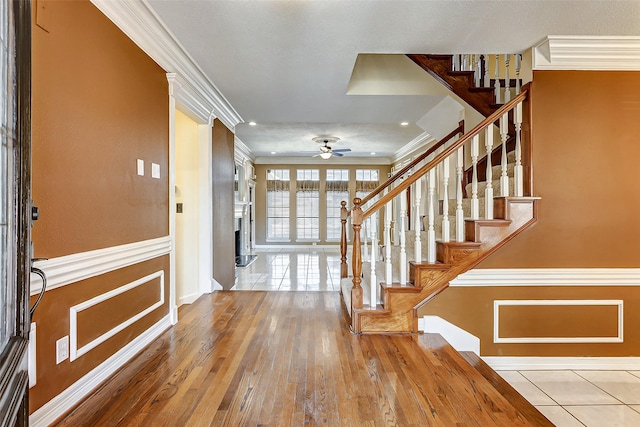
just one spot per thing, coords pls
(308, 204)
(366, 181)
(278, 204)
(337, 191)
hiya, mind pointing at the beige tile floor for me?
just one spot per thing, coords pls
(568, 398)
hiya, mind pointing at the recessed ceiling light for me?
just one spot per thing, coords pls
(373, 153)
(252, 123)
(404, 124)
(273, 152)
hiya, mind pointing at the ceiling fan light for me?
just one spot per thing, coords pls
(325, 156)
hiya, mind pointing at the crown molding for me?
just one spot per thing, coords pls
(587, 53)
(292, 160)
(145, 28)
(242, 152)
(420, 141)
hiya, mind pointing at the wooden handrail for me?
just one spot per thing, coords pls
(444, 154)
(421, 157)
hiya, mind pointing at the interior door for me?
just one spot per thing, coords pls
(15, 174)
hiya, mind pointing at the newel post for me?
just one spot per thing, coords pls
(356, 260)
(344, 214)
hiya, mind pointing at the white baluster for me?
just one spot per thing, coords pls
(477, 71)
(487, 80)
(488, 191)
(465, 62)
(518, 171)
(374, 258)
(365, 235)
(518, 58)
(496, 84)
(475, 207)
(504, 134)
(507, 80)
(455, 62)
(459, 210)
(431, 232)
(387, 243)
(445, 200)
(417, 248)
(403, 253)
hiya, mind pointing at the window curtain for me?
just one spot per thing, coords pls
(337, 186)
(307, 185)
(277, 185)
(366, 185)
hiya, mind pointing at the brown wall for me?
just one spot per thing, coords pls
(99, 103)
(223, 205)
(585, 151)
(261, 196)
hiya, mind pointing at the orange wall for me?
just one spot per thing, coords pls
(585, 152)
(99, 103)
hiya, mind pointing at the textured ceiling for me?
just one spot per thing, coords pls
(287, 64)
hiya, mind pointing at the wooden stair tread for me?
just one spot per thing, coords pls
(379, 310)
(503, 387)
(430, 265)
(398, 288)
(461, 245)
(490, 222)
(482, 89)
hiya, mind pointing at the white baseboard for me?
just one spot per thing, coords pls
(459, 339)
(70, 397)
(521, 363)
(189, 299)
(216, 286)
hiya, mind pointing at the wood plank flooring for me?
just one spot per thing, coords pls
(288, 359)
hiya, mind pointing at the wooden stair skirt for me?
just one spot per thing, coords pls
(483, 237)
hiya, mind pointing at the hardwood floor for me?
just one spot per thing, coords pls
(288, 359)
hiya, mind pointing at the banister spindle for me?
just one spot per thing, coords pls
(496, 84)
(459, 210)
(507, 80)
(504, 134)
(403, 252)
(431, 232)
(356, 256)
(475, 207)
(488, 191)
(486, 78)
(417, 248)
(365, 237)
(445, 200)
(518, 59)
(344, 214)
(477, 70)
(518, 171)
(387, 243)
(373, 282)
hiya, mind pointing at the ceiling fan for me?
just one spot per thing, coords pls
(325, 151)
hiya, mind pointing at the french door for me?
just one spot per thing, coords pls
(15, 181)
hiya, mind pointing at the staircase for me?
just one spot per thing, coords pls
(459, 223)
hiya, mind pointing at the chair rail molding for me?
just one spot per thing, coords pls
(549, 277)
(587, 53)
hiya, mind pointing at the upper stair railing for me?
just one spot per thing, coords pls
(433, 169)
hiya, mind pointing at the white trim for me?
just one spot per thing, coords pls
(421, 141)
(519, 363)
(73, 268)
(33, 365)
(346, 160)
(459, 339)
(188, 299)
(76, 352)
(530, 340)
(173, 83)
(205, 206)
(67, 399)
(587, 53)
(242, 153)
(142, 25)
(550, 277)
(216, 286)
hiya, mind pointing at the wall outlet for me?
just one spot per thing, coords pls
(140, 167)
(62, 349)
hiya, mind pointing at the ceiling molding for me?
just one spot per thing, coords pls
(293, 160)
(420, 141)
(242, 152)
(141, 24)
(587, 53)
(188, 101)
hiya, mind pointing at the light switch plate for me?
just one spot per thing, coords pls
(62, 349)
(140, 167)
(155, 170)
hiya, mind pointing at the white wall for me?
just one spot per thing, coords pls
(187, 190)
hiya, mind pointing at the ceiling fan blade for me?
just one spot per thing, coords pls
(342, 150)
(335, 153)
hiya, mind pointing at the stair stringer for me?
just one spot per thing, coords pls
(401, 303)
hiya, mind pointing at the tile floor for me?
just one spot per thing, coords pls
(566, 398)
